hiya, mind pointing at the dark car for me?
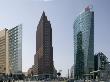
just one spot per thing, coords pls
(70, 80)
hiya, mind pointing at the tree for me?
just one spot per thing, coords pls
(59, 74)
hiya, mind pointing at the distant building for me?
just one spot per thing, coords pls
(30, 72)
(15, 49)
(4, 52)
(43, 59)
(11, 50)
(84, 44)
(101, 66)
(100, 61)
(34, 68)
(72, 72)
(105, 74)
(55, 73)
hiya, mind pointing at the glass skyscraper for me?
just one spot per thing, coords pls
(15, 49)
(84, 44)
(11, 50)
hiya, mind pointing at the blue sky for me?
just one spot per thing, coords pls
(61, 14)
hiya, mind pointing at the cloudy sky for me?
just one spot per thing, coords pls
(62, 14)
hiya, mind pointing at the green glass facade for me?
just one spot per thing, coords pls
(15, 49)
(84, 44)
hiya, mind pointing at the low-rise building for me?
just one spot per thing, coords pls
(72, 72)
(101, 67)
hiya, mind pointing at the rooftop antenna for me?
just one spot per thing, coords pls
(89, 7)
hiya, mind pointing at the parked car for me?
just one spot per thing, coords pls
(70, 80)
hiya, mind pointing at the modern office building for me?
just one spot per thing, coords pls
(11, 50)
(15, 49)
(101, 67)
(84, 44)
(43, 58)
(4, 53)
(30, 72)
(100, 61)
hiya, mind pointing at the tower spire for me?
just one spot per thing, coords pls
(43, 17)
(43, 14)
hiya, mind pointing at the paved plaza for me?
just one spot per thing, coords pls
(39, 81)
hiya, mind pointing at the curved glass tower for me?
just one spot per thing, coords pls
(84, 44)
